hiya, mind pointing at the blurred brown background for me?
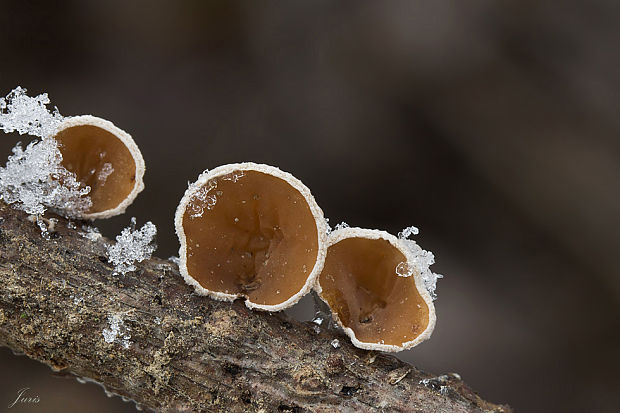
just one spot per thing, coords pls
(492, 126)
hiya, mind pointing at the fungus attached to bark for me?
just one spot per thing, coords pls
(253, 231)
(374, 286)
(103, 157)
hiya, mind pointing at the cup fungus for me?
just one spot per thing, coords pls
(372, 283)
(103, 157)
(250, 231)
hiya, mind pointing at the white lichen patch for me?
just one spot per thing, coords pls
(117, 331)
(132, 246)
(28, 115)
(35, 180)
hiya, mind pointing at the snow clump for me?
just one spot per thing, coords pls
(132, 246)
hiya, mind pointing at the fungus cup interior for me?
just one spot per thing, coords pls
(100, 160)
(360, 284)
(250, 234)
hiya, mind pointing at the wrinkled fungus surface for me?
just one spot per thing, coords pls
(360, 284)
(101, 161)
(251, 234)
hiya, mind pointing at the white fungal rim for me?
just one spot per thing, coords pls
(344, 233)
(124, 137)
(317, 213)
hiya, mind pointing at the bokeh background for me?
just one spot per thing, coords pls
(492, 126)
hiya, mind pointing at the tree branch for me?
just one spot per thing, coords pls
(172, 350)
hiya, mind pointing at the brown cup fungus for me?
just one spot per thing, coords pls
(252, 231)
(106, 159)
(373, 285)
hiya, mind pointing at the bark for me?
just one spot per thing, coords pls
(177, 351)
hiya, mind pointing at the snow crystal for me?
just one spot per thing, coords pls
(202, 199)
(24, 114)
(35, 180)
(90, 233)
(407, 232)
(117, 331)
(403, 270)
(132, 246)
(422, 260)
(342, 225)
(328, 228)
(233, 176)
(106, 170)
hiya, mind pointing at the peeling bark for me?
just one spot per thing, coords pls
(176, 351)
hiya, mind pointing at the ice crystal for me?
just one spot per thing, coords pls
(328, 228)
(233, 176)
(335, 343)
(202, 199)
(342, 225)
(106, 170)
(90, 233)
(34, 180)
(132, 246)
(407, 232)
(421, 261)
(117, 331)
(24, 114)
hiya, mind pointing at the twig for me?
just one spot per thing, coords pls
(171, 350)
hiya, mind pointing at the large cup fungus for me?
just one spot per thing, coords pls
(252, 231)
(103, 157)
(373, 283)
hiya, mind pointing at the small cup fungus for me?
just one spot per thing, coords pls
(253, 231)
(103, 157)
(373, 285)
